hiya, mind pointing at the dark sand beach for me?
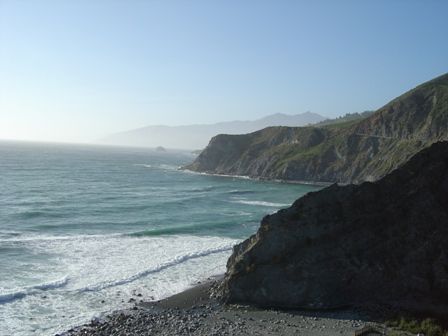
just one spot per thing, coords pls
(194, 312)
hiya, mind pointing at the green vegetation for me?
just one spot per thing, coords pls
(349, 117)
(249, 269)
(427, 326)
(351, 149)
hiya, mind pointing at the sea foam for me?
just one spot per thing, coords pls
(103, 272)
(84, 228)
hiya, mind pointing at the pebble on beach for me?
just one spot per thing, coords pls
(195, 313)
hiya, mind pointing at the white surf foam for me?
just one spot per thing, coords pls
(101, 274)
(160, 267)
(30, 290)
(262, 203)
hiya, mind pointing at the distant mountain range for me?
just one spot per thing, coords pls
(198, 136)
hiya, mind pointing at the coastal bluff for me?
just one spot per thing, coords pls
(383, 242)
(366, 149)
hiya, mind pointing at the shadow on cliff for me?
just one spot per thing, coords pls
(378, 243)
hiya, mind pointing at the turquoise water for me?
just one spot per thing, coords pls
(85, 228)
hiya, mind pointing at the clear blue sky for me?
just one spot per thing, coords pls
(77, 70)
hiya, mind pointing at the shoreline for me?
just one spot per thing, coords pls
(259, 178)
(195, 312)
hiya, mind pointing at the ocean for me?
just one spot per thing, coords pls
(84, 228)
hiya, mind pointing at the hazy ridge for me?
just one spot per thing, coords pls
(198, 136)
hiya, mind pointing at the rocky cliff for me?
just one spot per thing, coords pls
(353, 152)
(382, 242)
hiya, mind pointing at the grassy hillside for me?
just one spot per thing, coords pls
(348, 152)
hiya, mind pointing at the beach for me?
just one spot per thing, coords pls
(195, 312)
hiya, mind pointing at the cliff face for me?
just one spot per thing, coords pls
(364, 150)
(384, 242)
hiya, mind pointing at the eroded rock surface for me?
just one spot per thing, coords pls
(380, 242)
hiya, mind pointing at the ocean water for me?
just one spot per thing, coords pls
(85, 228)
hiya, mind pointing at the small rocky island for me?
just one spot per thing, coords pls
(160, 149)
(382, 243)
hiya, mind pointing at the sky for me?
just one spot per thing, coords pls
(78, 70)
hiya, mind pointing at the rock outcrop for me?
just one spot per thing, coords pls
(383, 242)
(353, 152)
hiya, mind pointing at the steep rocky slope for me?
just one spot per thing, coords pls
(383, 242)
(363, 150)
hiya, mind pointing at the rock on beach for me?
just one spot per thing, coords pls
(197, 312)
